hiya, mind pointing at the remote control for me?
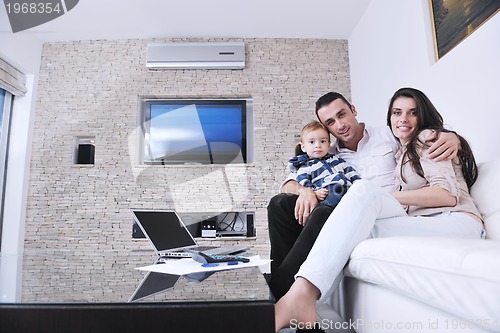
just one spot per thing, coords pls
(213, 258)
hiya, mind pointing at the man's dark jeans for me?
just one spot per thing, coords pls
(290, 242)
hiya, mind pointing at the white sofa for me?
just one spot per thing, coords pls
(411, 284)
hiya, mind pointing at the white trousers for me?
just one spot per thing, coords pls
(368, 211)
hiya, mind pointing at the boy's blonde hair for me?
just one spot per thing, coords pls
(313, 126)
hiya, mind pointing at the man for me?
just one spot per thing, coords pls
(295, 221)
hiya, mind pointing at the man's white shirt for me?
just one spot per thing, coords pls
(375, 157)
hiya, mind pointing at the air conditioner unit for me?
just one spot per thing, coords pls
(204, 55)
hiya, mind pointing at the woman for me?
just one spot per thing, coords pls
(433, 201)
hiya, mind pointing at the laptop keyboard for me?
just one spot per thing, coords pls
(203, 248)
(186, 254)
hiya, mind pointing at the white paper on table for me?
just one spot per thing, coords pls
(187, 266)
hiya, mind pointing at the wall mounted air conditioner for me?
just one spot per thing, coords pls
(203, 55)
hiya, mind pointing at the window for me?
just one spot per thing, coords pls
(5, 113)
(2, 99)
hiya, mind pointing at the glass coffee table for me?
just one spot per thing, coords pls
(61, 290)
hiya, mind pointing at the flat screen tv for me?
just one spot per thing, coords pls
(197, 131)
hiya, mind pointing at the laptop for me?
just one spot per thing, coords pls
(169, 237)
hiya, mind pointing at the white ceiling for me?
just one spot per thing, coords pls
(128, 19)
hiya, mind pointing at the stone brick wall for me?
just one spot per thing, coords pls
(92, 89)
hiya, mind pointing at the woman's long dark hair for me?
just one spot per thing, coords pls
(429, 118)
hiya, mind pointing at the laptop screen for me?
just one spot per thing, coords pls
(164, 229)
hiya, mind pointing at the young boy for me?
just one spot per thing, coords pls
(329, 176)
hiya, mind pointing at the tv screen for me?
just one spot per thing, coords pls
(195, 131)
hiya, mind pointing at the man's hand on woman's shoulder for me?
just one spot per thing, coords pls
(445, 146)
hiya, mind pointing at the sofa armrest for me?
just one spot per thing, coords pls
(461, 277)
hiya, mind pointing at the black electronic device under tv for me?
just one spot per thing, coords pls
(197, 131)
(86, 154)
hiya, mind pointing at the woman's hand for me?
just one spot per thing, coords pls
(430, 196)
(396, 195)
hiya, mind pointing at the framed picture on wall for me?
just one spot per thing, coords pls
(455, 20)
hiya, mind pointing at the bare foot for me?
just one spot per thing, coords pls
(298, 306)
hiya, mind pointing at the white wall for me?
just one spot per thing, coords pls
(22, 51)
(392, 47)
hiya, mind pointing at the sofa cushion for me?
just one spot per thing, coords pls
(461, 277)
(486, 194)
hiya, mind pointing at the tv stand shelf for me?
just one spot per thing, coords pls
(217, 225)
(234, 225)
